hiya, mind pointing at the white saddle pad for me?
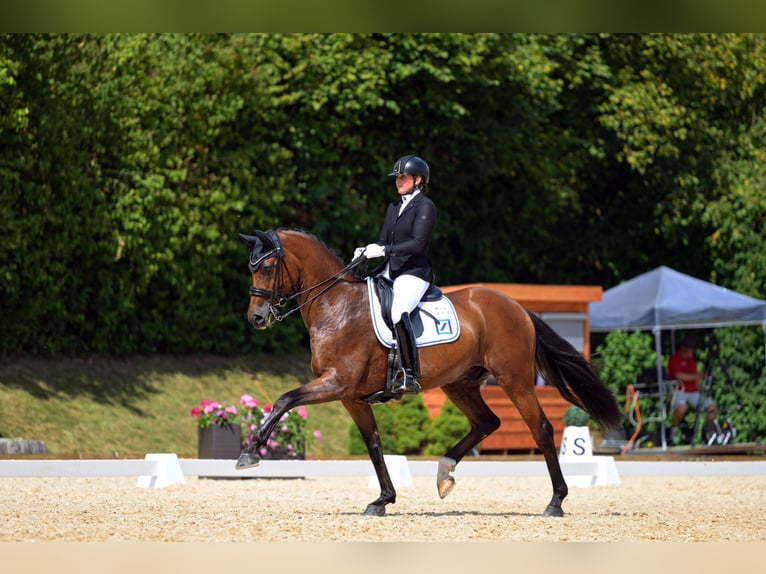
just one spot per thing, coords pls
(441, 326)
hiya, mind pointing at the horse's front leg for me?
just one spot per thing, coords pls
(248, 456)
(362, 415)
(320, 390)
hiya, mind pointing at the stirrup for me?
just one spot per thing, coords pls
(382, 396)
(405, 383)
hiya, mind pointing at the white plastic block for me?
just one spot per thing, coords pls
(168, 471)
(398, 469)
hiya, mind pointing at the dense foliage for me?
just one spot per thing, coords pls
(129, 162)
(574, 416)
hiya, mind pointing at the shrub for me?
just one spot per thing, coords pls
(574, 416)
(622, 357)
(385, 419)
(411, 422)
(446, 430)
(406, 428)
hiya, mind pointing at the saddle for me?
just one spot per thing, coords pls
(384, 289)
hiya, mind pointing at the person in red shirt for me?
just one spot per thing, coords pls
(682, 368)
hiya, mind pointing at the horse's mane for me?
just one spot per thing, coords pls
(316, 239)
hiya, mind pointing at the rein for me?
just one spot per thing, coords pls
(278, 300)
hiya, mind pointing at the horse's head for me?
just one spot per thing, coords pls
(300, 270)
(268, 290)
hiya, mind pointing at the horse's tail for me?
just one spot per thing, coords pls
(565, 368)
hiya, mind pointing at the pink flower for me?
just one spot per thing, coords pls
(232, 410)
(318, 434)
(248, 401)
(209, 406)
(194, 412)
(302, 411)
(267, 408)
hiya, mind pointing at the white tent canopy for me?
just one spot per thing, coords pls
(664, 299)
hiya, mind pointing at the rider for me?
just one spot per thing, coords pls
(404, 240)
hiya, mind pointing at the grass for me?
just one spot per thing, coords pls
(102, 407)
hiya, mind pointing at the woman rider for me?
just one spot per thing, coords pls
(404, 240)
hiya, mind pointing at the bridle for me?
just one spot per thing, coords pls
(277, 297)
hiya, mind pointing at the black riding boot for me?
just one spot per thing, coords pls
(406, 379)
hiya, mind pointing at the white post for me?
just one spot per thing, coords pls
(399, 470)
(660, 384)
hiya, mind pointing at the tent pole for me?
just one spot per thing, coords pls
(660, 383)
(763, 325)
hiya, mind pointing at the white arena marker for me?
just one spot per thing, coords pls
(398, 469)
(168, 471)
(578, 464)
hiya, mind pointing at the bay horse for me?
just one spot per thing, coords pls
(498, 337)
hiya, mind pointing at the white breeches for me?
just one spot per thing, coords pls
(408, 291)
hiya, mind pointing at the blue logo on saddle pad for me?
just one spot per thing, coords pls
(440, 323)
(444, 327)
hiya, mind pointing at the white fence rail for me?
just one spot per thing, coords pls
(160, 469)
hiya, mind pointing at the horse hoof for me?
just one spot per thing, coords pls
(247, 460)
(554, 511)
(374, 510)
(445, 487)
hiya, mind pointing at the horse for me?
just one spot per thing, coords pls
(294, 271)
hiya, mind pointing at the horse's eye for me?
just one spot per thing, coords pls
(267, 270)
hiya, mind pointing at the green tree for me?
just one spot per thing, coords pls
(446, 430)
(733, 357)
(411, 422)
(384, 417)
(621, 358)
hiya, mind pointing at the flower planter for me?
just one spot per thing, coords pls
(222, 442)
(223, 429)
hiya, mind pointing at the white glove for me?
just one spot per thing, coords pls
(358, 252)
(374, 250)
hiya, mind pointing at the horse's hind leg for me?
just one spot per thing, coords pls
(525, 399)
(466, 397)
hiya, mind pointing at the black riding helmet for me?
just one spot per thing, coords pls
(412, 165)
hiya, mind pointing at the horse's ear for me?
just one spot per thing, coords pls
(248, 240)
